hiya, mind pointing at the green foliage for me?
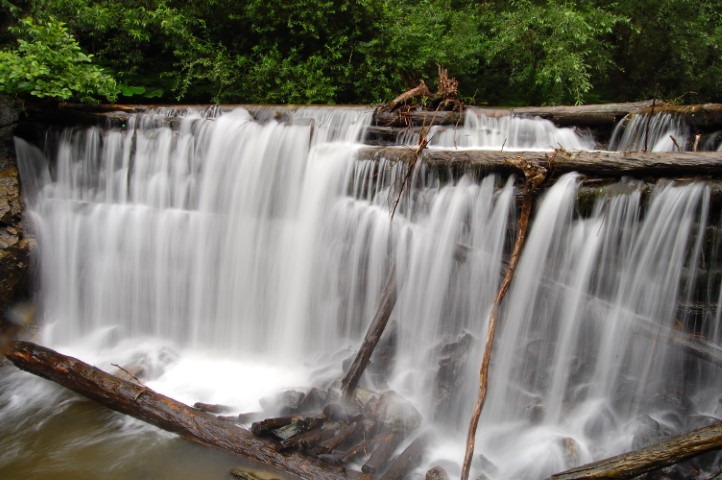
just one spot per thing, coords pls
(49, 63)
(367, 51)
(552, 51)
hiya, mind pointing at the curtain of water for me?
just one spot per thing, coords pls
(227, 234)
(505, 132)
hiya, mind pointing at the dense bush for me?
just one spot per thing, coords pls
(367, 51)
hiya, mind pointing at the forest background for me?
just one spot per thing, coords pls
(518, 52)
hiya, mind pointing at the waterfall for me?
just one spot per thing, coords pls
(505, 132)
(663, 132)
(239, 258)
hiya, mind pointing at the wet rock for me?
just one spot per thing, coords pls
(286, 403)
(437, 473)
(536, 413)
(396, 413)
(314, 400)
(571, 452)
(450, 376)
(481, 463)
(244, 474)
(14, 247)
(649, 431)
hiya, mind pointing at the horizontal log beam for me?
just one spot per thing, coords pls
(653, 457)
(143, 403)
(557, 162)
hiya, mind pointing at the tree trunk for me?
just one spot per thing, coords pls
(381, 318)
(654, 457)
(558, 162)
(164, 412)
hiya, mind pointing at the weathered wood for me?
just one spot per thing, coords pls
(308, 439)
(404, 463)
(345, 435)
(381, 318)
(606, 114)
(164, 412)
(558, 162)
(669, 452)
(385, 447)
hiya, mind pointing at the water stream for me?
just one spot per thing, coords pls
(232, 259)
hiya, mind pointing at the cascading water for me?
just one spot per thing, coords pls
(502, 133)
(664, 132)
(234, 259)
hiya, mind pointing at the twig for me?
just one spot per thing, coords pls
(131, 374)
(674, 140)
(534, 176)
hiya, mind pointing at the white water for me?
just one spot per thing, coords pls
(656, 133)
(235, 260)
(503, 133)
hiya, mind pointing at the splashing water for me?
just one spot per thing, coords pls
(234, 259)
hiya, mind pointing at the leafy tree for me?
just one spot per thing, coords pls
(48, 63)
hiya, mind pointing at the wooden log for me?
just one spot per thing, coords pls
(558, 162)
(668, 452)
(407, 460)
(308, 439)
(385, 447)
(164, 412)
(345, 435)
(381, 318)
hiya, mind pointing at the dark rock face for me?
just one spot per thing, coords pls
(14, 246)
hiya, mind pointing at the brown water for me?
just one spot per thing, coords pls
(66, 437)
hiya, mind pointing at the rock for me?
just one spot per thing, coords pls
(14, 247)
(571, 452)
(450, 376)
(437, 473)
(480, 462)
(244, 474)
(396, 413)
(649, 431)
(286, 403)
(314, 400)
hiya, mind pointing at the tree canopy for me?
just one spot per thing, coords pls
(360, 51)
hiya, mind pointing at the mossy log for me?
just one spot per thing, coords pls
(558, 162)
(653, 457)
(143, 403)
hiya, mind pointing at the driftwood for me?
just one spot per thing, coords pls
(534, 176)
(381, 318)
(166, 413)
(385, 447)
(558, 162)
(407, 459)
(605, 116)
(653, 457)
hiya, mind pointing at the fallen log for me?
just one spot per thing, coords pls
(669, 452)
(381, 318)
(164, 412)
(558, 162)
(407, 459)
